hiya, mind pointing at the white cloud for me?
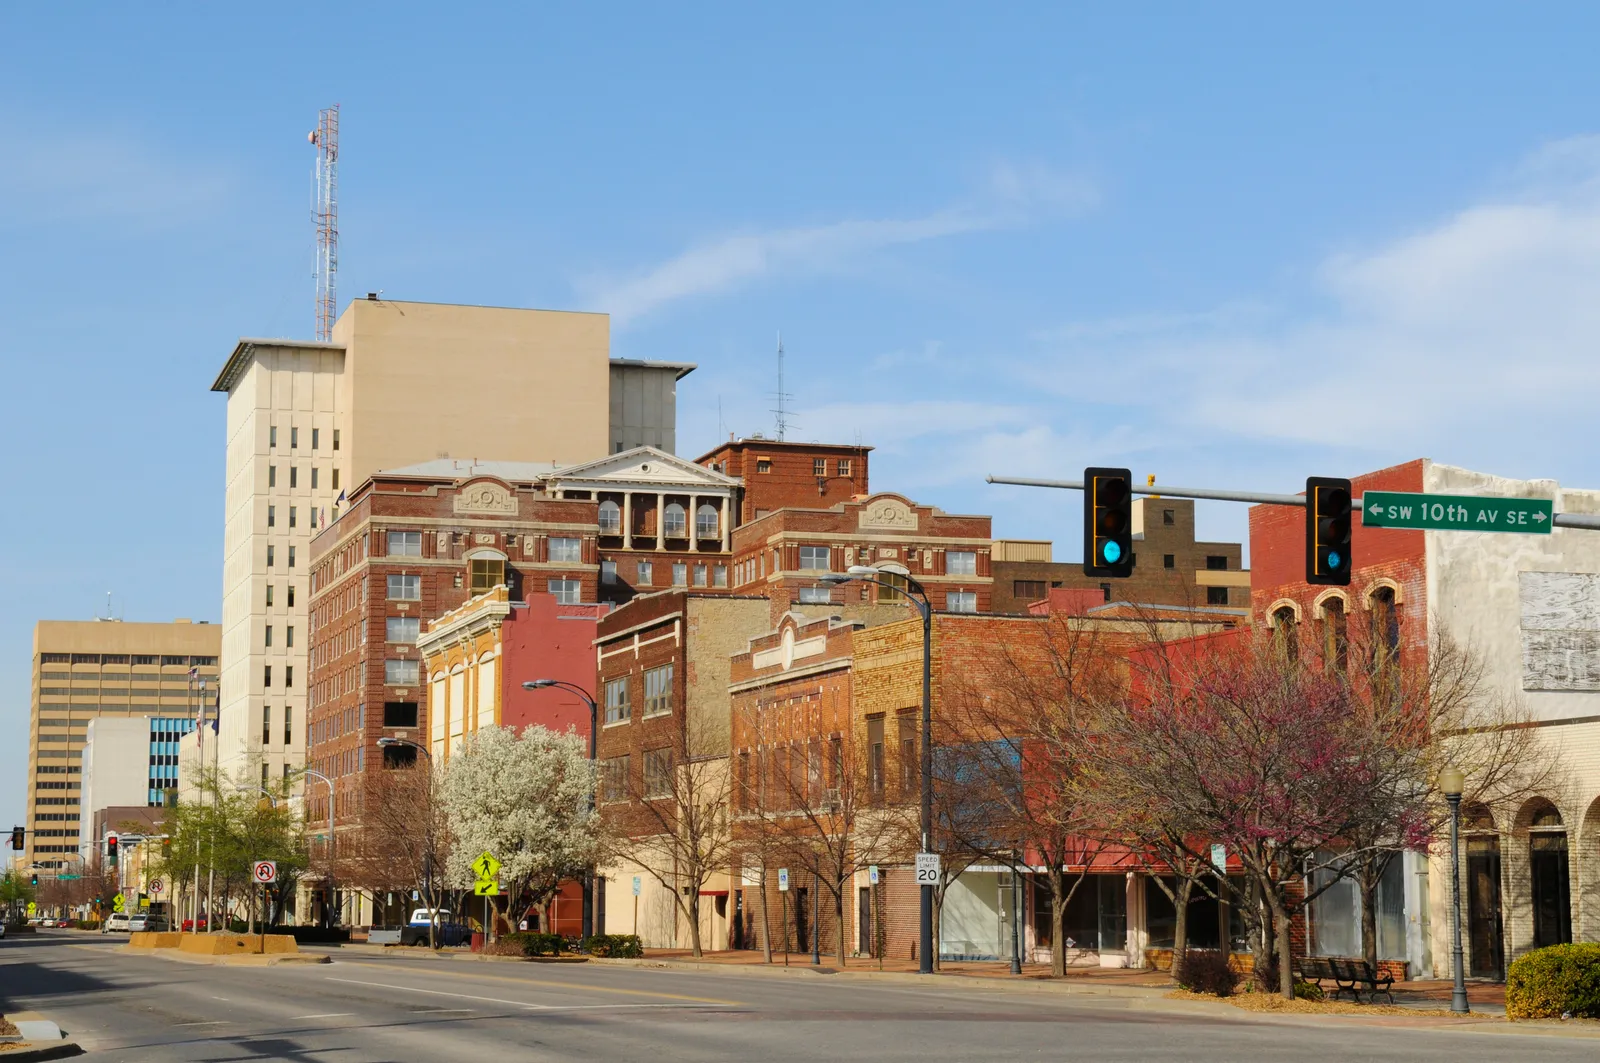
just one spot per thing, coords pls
(1016, 196)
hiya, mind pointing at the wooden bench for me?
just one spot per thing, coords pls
(1348, 976)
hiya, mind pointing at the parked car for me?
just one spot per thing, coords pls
(2, 928)
(116, 921)
(446, 932)
(141, 922)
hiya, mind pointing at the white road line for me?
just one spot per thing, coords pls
(325, 1015)
(213, 1022)
(518, 1003)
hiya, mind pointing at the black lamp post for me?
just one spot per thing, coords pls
(918, 597)
(590, 898)
(1452, 782)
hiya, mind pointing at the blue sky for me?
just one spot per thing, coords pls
(1228, 245)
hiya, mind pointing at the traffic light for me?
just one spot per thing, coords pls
(18, 835)
(36, 880)
(166, 848)
(1328, 531)
(111, 850)
(1107, 522)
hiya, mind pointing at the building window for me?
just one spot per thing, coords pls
(961, 562)
(288, 676)
(271, 554)
(313, 476)
(399, 714)
(402, 629)
(291, 595)
(272, 436)
(294, 438)
(294, 476)
(658, 773)
(266, 677)
(486, 572)
(1169, 516)
(618, 709)
(272, 516)
(1169, 561)
(1385, 628)
(400, 673)
(1335, 635)
(291, 557)
(268, 640)
(1216, 596)
(614, 779)
(763, 465)
(675, 525)
(658, 691)
(269, 595)
(313, 516)
(816, 595)
(272, 476)
(705, 521)
(266, 725)
(1105, 591)
(293, 514)
(1216, 563)
(566, 550)
(405, 588)
(566, 591)
(961, 601)
(608, 572)
(1551, 879)
(819, 466)
(336, 447)
(336, 476)
(815, 558)
(680, 574)
(700, 576)
(844, 466)
(314, 439)
(875, 763)
(719, 575)
(892, 587)
(288, 729)
(1029, 590)
(646, 572)
(610, 518)
(405, 544)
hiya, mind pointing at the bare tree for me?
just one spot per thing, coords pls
(404, 839)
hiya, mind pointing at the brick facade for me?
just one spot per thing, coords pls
(783, 475)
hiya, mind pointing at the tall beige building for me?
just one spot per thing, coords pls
(96, 668)
(401, 383)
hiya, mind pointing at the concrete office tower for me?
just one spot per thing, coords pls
(100, 668)
(400, 383)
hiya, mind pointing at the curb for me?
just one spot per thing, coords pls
(243, 960)
(60, 1050)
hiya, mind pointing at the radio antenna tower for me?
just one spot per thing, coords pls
(325, 213)
(781, 414)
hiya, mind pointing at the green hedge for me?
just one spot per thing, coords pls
(533, 944)
(1550, 982)
(614, 946)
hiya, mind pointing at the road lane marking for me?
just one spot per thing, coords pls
(512, 1003)
(325, 1015)
(213, 1022)
(573, 986)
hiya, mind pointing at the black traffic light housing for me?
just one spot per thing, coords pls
(18, 839)
(111, 849)
(1107, 522)
(36, 880)
(1328, 531)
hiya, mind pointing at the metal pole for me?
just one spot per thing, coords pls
(1016, 920)
(816, 932)
(925, 941)
(1458, 995)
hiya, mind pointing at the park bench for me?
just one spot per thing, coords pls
(1348, 976)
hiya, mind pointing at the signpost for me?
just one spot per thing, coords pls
(486, 868)
(117, 902)
(265, 872)
(783, 880)
(33, 909)
(1404, 509)
(157, 886)
(927, 869)
(872, 874)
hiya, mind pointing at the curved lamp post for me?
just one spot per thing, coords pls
(1452, 782)
(591, 900)
(918, 596)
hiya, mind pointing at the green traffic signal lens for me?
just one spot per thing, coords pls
(1112, 552)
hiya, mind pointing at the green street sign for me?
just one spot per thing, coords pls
(68, 878)
(1404, 509)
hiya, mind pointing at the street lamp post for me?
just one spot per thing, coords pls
(427, 841)
(591, 898)
(1452, 782)
(327, 908)
(918, 597)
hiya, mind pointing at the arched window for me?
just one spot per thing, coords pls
(705, 522)
(1286, 633)
(1335, 635)
(1385, 629)
(610, 518)
(675, 526)
(1550, 876)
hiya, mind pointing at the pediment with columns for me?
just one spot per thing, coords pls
(644, 467)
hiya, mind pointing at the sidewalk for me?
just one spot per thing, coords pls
(999, 969)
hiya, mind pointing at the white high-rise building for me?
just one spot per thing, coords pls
(400, 383)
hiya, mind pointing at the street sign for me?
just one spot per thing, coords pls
(65, 878)
(872, 874)
(637, 883)
(1404, 509)
(783, 880)
(264, 871)
(1219, 857)
(157, 886)
(117, 902)
(32, 908)
(144, 902)
(927, 869)
(486, 866)
(486, 887)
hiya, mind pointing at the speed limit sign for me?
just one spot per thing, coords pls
(927, 869)
(265, 871)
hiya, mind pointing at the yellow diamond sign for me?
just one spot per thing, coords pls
(486, 866)
(117, 902)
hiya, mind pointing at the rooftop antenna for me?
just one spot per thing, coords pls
(325, 213)
(782, 412)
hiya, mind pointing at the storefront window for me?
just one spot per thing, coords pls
(1204, 922)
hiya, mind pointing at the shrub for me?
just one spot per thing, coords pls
(88, 924)
(528, 943)
(614, 946)
(1208, 971)
(1561, 979)
(1308, 991)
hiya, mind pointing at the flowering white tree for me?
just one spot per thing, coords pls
(528, 799)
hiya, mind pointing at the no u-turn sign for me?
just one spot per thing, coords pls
(265, 871)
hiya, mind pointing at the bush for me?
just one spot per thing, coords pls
(527, 943)
(1308, 991)
(1208, 971)
(88, 924)
(1561, 979)
(614, 946)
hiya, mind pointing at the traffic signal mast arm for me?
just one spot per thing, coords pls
(1586, 521)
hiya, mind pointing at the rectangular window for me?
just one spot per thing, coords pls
(271, 553)
(294, 438)
(719, 575)
(763, 465)
(336, 447)
(486, 572)
(266, 677)
(405, 544)
(1215, 563)
(961, 601)
(266, 725)
(268, 640)
(402, 629)
(960, 563)
(272, 436)
(1105, 589)
(314, 439)
(405, 588)
(875, 755)
(288, 676)
(567, 551)
(336, 477)
(400, 673)
(680, 574)
(294, 476)
(614, 779)
(291, 596)
(844, 466)
(313, 516)
(1216, 596)
(618, 709)
(288, 636)
(269, 594)
(399, 714)
(272, 516)
(1168, 516)
(646, 574)
(272, 476)
(566, 591)
(819, 466)
(892, 587)
(291, 557)
(288, 726)
(658, 691)
(700, 576)
(814, 558)
(1169, 561)
(1029, 590)
(816, 595)
(608, 572)
(293, 515)
(658, 773)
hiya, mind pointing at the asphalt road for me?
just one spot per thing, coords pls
(373, 1007)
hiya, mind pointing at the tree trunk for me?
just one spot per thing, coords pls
(1280, 917)
(1370, 874)
(1058, 922)
(838, 911)
(938, 912)
(766, 919)
(1180, 927)
(694, 922)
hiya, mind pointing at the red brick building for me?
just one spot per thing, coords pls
(775, 474)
